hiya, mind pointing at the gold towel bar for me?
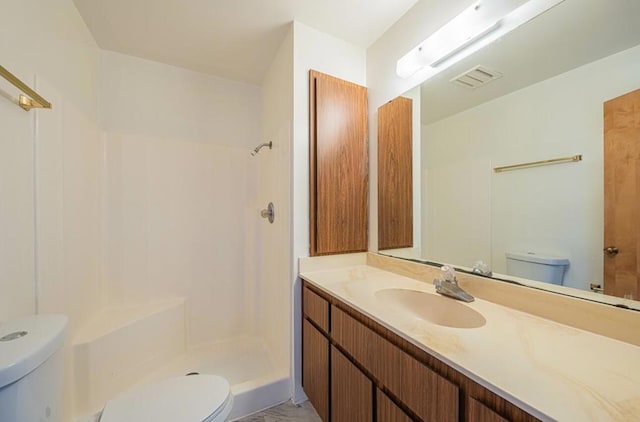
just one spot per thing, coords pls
(540, 163)
(36, 101)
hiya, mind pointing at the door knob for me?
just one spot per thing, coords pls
(611, 250)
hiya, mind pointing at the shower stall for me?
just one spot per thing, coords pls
(193, 278)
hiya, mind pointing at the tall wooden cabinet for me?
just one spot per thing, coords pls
(338, 172)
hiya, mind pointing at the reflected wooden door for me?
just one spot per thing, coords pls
(622, 195)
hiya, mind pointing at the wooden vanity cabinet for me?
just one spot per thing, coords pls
(338, 166)
(429, 396)
(354, 369)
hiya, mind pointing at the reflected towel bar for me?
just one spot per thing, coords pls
(571, 159)
(36, 101)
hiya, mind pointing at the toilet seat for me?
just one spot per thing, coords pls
(196, 398)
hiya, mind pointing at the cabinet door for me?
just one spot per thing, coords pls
(395, 175)
(387, 410)
(338, 166)
(351, 391)
(481, 413)
(315, 368)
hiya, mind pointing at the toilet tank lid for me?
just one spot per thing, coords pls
(537, 258)
(25, 343)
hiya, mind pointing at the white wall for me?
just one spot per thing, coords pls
(50, 167)
(318, 51)
(58, 57)
(556, 210)
(17, 231)
(273, 242)
(180, 183)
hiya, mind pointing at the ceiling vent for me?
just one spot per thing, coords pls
(476, 77)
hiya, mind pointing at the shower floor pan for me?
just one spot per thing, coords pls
(129, 346)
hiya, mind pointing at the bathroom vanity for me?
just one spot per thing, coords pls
(381, 346)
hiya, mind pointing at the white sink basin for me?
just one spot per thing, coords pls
(436, 309)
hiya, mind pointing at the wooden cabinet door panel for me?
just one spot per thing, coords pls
(351, 391)
(478, 412)
(395, 174)
(387, 411)
(339, 167)
(315, 368)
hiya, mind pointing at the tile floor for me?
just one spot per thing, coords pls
(285, 412)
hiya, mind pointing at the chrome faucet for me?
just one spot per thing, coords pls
(447, 285)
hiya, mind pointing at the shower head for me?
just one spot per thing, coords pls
(259, 147)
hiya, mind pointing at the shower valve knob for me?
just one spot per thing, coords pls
(269, 213)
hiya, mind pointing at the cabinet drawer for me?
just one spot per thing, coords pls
(315, 308)
(387, 411)
(478, 412)
(430, 396)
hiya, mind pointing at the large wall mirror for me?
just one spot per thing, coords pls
(546, 101)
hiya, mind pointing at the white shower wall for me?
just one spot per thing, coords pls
(180, 192)
(274, 185)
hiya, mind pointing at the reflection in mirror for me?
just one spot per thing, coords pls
(552, 97)
(395, 174)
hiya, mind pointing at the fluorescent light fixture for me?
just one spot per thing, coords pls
(480, 24)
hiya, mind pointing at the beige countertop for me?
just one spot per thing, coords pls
(553, 371)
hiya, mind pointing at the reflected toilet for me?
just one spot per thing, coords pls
(533, 266)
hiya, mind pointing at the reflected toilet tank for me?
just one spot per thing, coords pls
(533, 266)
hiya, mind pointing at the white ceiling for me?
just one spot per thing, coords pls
(234, 39)
(572, 34)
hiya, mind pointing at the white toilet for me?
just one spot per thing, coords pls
(533, 266)
(32, 368)
(32, 381)
(193, 398)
